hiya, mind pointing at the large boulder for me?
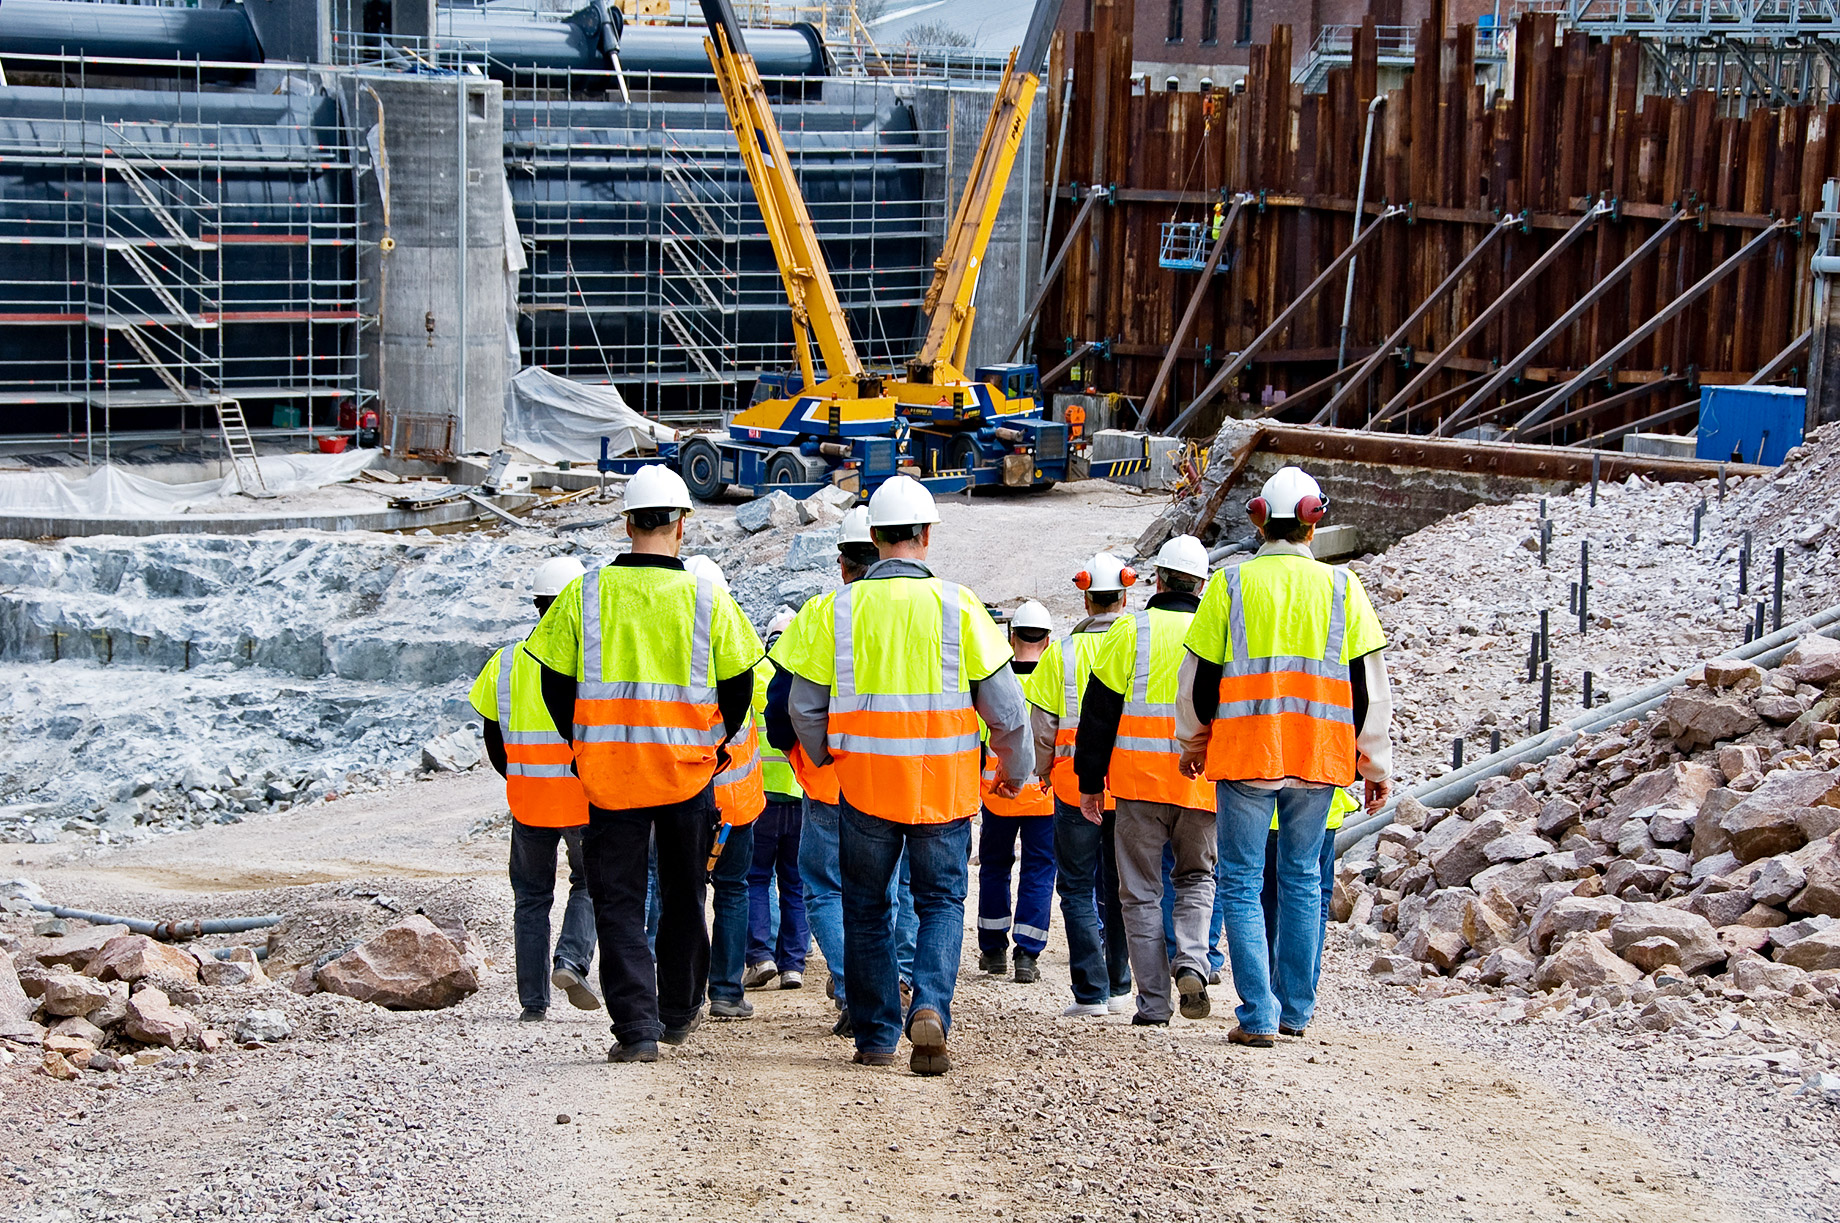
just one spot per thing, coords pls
(73, 951)
(154, 1020)
(15, 1008)
(1695, 718)
(1695, 937)
(1814, 660)
(1518, 884)
(1815, 953)
(1489, 923)
(1769, 820)
(1733, 673)
(1510, 797)
(1709, 836)
(815, 549)
(1777, 879)
(1463, 856)
(1585, 963)
(412, 966)
(1683, 784)
(776, 509)
(1572, 915)
(70, 993)
(130, 957)
(1821, 893)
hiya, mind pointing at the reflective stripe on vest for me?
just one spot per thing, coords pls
(1287, 715)
(1145, 754)
(540, 783)
(645, 744)
(740, 793)
(907, 757)
(1060, 773)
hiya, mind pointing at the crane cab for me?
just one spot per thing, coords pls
(1014, 387)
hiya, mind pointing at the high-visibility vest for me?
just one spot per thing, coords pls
(645, 743)
(540, 783)
(905, 750)
(818, 781)
(1286, 710)
(777, 773)
(1072, 659)
(1035, 799)
(1145, 754)
(740, 793)
(1340, 805)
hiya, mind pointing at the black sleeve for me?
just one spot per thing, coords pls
(495, 746)
(779, 722)
(734, 697)
(559, 699)
(1357, 680)
(1100, 710)
(1206, 692)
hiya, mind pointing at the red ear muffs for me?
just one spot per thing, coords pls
(1082, 579)
(1127, 577)
(1258, 511)
(1311, 509)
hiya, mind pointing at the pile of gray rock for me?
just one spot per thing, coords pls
(1696, 855)
(776, 551)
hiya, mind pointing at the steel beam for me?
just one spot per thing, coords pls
(1659, 418)
(1048, 277)
(1547, 427)
(1194, 307)
(1596, 293)
(1780, 362)
(1060, 371)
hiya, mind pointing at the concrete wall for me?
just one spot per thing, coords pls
(416, 369)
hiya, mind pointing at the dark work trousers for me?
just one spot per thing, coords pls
(644, 996)
(533, 883)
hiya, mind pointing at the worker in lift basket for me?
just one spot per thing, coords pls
(1283, 695)
(547, 805)
(650, 671)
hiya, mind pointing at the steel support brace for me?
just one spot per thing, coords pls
(1774, 367)
(1620, 399)
(1053, 272)
(1194, 307)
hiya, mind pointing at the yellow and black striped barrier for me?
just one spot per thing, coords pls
(1111, 469)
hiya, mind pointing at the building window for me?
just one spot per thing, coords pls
(1175, 20)
(1245, 23)
(1210, 22)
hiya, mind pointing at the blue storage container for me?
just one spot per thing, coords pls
(1750, 424)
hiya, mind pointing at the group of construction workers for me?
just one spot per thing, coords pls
(1171, 770)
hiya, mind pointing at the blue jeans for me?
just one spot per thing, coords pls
(776, 854)
(533, 885)
(728, 932)
(939, 860)
(1216, 924)
(1087, 881)
(1268, 897)
(822, 875)
(1273, 988)
(1034, 891)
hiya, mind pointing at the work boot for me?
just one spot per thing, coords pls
(1193, 988)
(1026, 972)
(1214, 977)
(533, 1014)
(865, 1058)
(1283, 1030)
(928, 1034)
(1252, 1040)
(996, 963)
(638, 1051)
(581, 995)
(681, 1033)
(843, 1027)
(792, 980)
(759, 974)
(1141, 1020)
(722, 1008)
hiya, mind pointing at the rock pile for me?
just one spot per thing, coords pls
(414, 965)
(1694, 857)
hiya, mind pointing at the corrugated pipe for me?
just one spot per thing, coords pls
(1453, 788)
(165, 931)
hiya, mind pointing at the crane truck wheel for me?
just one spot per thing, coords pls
(785, 469)
(962, 453)
(701, 467)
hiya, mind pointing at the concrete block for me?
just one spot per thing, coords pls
(1664, 445)
(1334, 543)
(1163, 453)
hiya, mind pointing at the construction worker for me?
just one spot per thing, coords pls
(740, 798)
(820, 869)
(891, 685)
(1028, 818)
(547, 806)
(1284, 696)
(1340, 805)
(776, 854)
(650, 671)
(1127, 744)
(1086, 862)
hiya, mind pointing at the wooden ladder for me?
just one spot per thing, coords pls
(242, 448)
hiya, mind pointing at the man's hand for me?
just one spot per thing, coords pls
(1377, 794)
(1092, 806)
(1007, 789)
(722, 759)
(1191, 764)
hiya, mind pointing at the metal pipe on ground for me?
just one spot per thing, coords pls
(165, 931)
(1454, 787)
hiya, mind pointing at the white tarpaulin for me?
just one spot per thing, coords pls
(551, 418)
(110, 492)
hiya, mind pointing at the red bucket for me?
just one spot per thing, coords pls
(333, 445)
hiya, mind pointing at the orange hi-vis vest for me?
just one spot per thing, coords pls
(741, 793)
(909, 757)
(540, 783)
(1145, 754)
(1035, 799)
(642, 743)
(819, 781)
(1067, 730)
(1289, 714)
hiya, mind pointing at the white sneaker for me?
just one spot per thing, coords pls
(1086, 1010)
(759, 974)
(792, 980)
(1121, 1005)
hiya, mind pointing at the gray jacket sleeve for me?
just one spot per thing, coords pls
(1374, 737)
(1046, 726)
(1191, 731)
(808, 705)
(1000, 703)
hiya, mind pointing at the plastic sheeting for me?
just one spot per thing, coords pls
(110, 492)
(551, 418)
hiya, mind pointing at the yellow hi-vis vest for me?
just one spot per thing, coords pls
(1055, 686)
(777, 773)
(1283, 629)
(1139, 658)
(540, 783)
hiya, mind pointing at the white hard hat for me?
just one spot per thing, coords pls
(553, 574)
(1103, 573)
(656, 487)
(1031, 615)
(703, 567)
(1290, 493)
(1184, 554)
(854, 529)
(902, 502)
(781, 621)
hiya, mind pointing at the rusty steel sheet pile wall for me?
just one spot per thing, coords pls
(1457, 156)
